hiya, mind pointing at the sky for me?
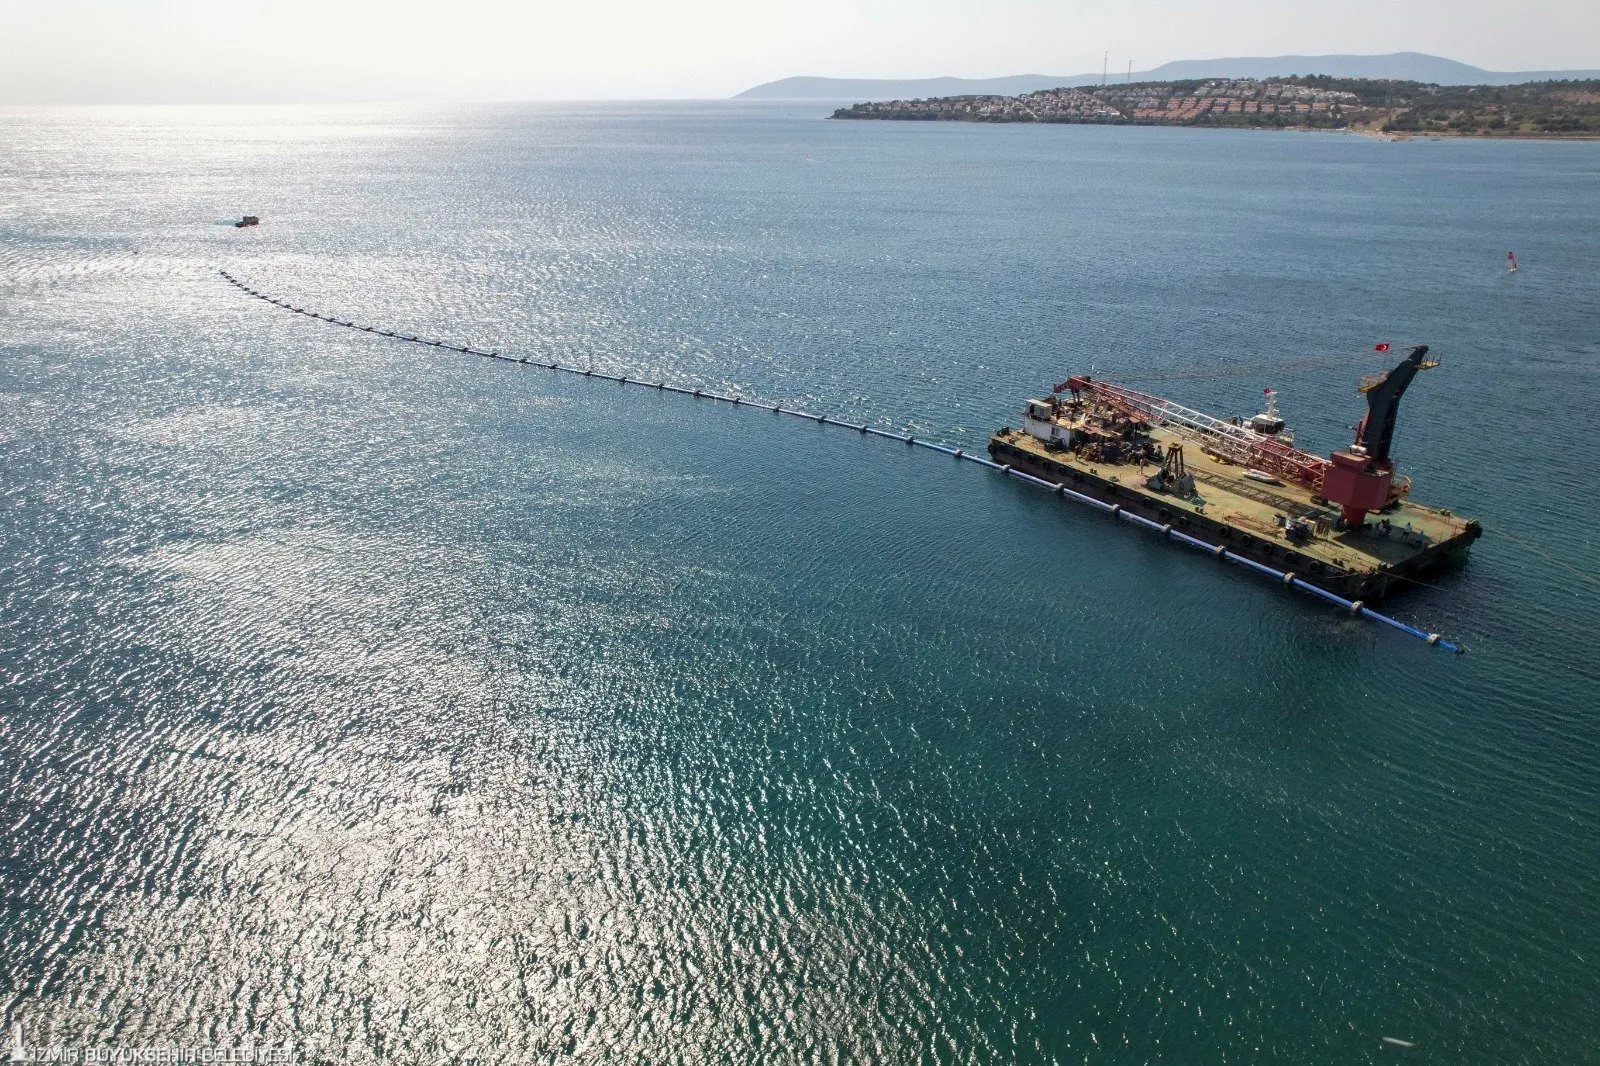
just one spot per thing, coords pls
(233, 51)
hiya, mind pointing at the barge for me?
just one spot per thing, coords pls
(1242, 486)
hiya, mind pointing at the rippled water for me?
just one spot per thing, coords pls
(410, 707)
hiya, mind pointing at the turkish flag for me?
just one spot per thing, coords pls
(1381, 347)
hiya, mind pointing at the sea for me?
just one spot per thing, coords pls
(380, 704)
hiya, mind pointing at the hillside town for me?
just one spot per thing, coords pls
(1171, 102)
(1394, 107)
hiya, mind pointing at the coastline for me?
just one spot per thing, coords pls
(1544, 111)
(1429, 135)
(1373, 132)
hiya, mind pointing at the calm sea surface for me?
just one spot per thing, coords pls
(406, 707)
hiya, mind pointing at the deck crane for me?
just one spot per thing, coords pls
(1359, 478)
(1235, 443)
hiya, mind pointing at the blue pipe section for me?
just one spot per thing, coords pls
(1289, 580)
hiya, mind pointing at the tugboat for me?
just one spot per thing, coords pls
(248, 220)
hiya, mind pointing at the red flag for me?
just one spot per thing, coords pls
(1381, 347)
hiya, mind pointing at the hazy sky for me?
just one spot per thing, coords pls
(241, 50)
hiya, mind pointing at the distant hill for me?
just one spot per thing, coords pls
(1402, 66)
(1399, 66)
(884, 88)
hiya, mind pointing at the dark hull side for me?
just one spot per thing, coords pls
(1278, 554)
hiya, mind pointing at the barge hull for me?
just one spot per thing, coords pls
(1370, 582)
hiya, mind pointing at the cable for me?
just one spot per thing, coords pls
(1287, 579)
(1590, 578)
(1243, 369)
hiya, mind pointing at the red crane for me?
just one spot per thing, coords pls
(1359, 478)
(1238, 444)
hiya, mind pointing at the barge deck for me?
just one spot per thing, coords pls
(1244, 515)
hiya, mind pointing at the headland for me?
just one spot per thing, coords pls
(1551, 109)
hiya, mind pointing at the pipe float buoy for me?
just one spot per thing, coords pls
(1289, 579)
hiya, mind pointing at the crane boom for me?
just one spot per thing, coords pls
(1383, 392)
(1360, 478)
(1238, 444)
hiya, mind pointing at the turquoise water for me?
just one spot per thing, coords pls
(407, 707)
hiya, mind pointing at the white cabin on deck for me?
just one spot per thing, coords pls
(1041, 420)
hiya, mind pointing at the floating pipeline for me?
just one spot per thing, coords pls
(1288, 580)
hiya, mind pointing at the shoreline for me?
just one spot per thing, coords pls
(1428, 135)
(1349, 131)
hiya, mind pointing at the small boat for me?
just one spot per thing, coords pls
(248, 220)
(1262, 476)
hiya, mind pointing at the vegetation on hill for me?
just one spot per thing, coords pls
(1542, 109)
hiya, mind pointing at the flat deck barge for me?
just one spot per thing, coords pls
(1241, 514)
(1244, 489)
